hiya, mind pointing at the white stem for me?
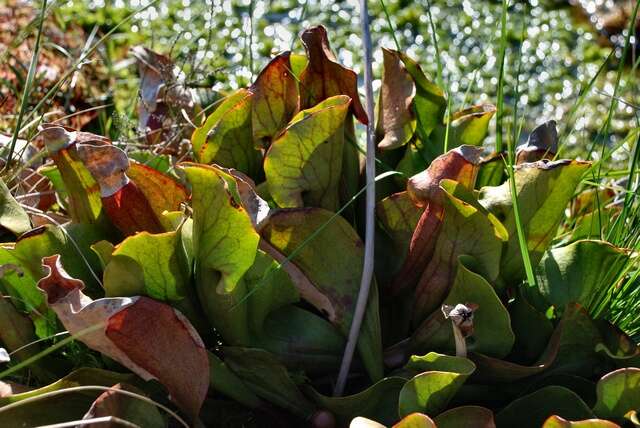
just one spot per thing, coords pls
(367, 272)
(461, 344)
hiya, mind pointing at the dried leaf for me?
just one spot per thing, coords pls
(396, 123)
(171, 351)
(162, 96)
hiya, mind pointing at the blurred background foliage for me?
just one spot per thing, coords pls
(555, 48)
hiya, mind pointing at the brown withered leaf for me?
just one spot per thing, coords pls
(163, 95)
(460, 164)
(171, 352)
(324, 77)
(396, 122)
(107, 164)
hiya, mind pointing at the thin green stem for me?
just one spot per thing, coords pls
(434, 37)
(390, 24)
(50, 349)
(501, 60)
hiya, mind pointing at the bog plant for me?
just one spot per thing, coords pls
(222, 286)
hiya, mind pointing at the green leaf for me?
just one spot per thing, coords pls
(20, 284)
(415, 420)
(59, 408)
(532, 410)
(617, 346)
(492, 333)
(332, 291)
(226, 137)
(161, 163)
(618, 393)
(429, 103)
(298, 64)
(378, 402)
(18, 331)
(225, 245)
(396, 123)
(149, 264)
(399, 217)
(103, 250)
(530, 342)
(543, 189)
(303, 165)
(162, 191)
(53, 174)
(12, 216)
(223, 380)
(275, 99)
(570, 351)
(414, 159)
(579, 272)
(270, 288)
(469, 126)
(440, 377)
(267, 378)
(72, 242)
(466, 417)
(302, 341)
(589, 225)
(492, 171)
(558, 422)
